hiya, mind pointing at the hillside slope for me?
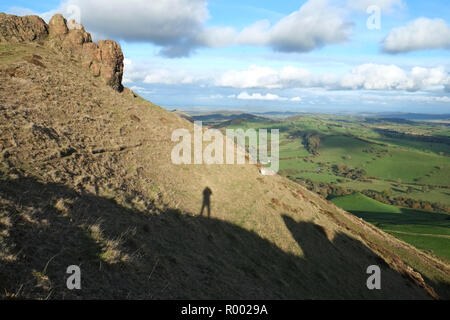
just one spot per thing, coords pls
(86, 179)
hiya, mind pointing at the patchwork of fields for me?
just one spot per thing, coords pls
(402, 162)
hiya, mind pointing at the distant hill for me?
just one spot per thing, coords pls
(391, 120)
(412, 116)
(86, 178)
(281, 114)
(219, 117)
(183, 115)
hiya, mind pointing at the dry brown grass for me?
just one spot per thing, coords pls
(87, 179)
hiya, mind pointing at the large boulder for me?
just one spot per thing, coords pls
(22, 29)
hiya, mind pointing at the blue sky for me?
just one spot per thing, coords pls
(260, 55)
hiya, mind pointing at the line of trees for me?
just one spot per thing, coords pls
(343, 170)
(310, 140)
(331, 190)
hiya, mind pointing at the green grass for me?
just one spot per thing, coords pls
(436, 245)
(411, 166)
(355, 143)
(360, 203)
(425, 230)
(336, 149)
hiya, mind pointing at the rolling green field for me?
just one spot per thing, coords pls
(404, 165)
(394, 159)
(425, 230)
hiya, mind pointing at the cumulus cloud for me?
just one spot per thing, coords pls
(263, 97)
(132, 72)
(265, 77)
(141, 90)
(164, 76)
(252, 77)
(179, 26)
(314, 25)
(259, 96)
(362, 77)
(149, 74)
(175, 25)
(420, 34)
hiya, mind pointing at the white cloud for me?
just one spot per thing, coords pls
(314, 25)
(374, 77)
(141, 90)
(179, 26)
(147, 73)
(259, 96)
(174, 25)
(137, 88)
(265, 77)
(420, 34)
(253, 77)
(365, 77)
(165, 76)
(132, 72)
(256, 34)
(217, 37)
(296, 99)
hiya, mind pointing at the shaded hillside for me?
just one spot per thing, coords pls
(86, 179)
(170, 254)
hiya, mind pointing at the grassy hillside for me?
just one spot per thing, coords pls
(425, 230)
(360, 203)
(86, 179)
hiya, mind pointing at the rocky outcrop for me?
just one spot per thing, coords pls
(22, 29)
(111, 63)
(58, 27)
(104, 59)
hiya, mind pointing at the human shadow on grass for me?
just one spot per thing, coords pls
(207, 193)
(125, 253)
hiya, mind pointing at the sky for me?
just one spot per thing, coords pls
(267, 55)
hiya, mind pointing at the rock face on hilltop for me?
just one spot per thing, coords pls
(104, 59)
(111, 63)
(58, 27)
(20, 29)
